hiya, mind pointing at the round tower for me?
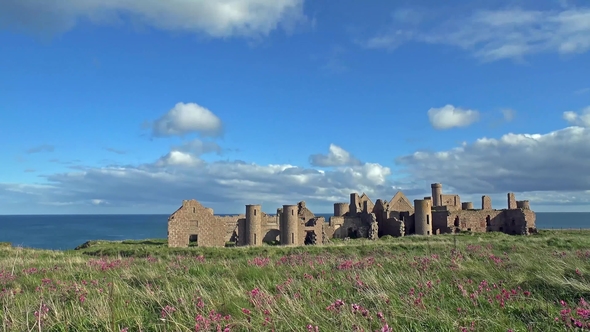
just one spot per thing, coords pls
(523, 205)
(436, 193)
(467, 206)
(341, 209)
(253, 225)
(423, 216)
(289, 229)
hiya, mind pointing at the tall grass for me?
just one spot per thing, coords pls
(486, 282)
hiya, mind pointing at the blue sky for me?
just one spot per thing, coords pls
(133, 106)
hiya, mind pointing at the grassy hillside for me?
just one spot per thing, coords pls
(469, 282)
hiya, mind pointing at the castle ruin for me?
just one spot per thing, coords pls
(195, 224)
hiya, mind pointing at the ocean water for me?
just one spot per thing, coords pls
(59, 232)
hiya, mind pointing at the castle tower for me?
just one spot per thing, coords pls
(253, 225)
(523, 205)
(289, 225)
(467, 206)
(423, 216)
(436, 194)
(486, 202)
(340, 209)
(354, 207)
(511, 201)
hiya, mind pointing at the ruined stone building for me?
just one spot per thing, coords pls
(195, 224)
(440, 213)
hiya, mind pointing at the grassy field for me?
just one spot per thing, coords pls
(469, 282)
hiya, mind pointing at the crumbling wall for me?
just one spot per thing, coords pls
(242, 236)
(478, 221)
(328, 232)
(439, 222)
(486, 202)
(231, 226)
(303, 212)
(335, 224)
(355, 204)
(518, 221)
(391, 226)
(194, 220)
(351, 226)
(506, 221)
(511, 201)
(452, 201)
(366, 204)
(315, 225)
(380, 210)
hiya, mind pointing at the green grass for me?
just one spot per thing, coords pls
(470, 282)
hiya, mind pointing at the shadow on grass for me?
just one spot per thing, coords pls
(157, 242)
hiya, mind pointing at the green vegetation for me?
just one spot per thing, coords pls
(468, 282)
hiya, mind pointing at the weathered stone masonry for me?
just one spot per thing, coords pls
(360, 218)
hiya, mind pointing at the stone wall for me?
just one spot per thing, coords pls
(506, 221)
(391, 227)
(231, 226)
(468, 220)
(399, 202)
(486, 202)
(366, 204)
(453, 202)
(315, 225)
(511, 201)
(350, 226)
(194, 222)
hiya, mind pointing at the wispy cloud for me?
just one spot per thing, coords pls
(490, 35)
(334, 62)
(508, 114)
(41, 148)
(116, 151)
(582, 91)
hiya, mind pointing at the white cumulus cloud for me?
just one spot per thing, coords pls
(578, 119)
(178, 158)
(188, 154)
(216, 18)
(557, 161)
(226, 186)
(449, 116)
(549, 169)
(336, 156)
(188, 118)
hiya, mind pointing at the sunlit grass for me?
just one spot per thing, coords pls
(471, 282)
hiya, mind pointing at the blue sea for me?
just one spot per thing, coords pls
(59, 232)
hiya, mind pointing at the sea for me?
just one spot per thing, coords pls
(63, 232)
